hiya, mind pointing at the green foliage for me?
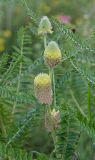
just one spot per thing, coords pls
(68, 134)
(21, 115)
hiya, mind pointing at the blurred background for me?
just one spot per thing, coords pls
(78, 14)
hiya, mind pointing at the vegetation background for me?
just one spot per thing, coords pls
(21, 50)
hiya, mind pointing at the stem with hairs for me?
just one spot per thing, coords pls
(51, 73)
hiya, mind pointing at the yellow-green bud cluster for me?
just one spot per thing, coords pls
(43, 89)
(52, 57)
(45, 26)
(52, 54)
(54, 123)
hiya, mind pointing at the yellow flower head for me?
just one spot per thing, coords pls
(42, 79)
(52, 54)
(43, 89)
(7, 34)
(45, 26)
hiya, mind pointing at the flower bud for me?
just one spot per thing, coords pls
(45, 26)
(55, 118)
(43, 89)
(52, 54)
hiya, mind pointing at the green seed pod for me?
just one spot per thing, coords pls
(43, 89)
(52, 54)
(45, 26)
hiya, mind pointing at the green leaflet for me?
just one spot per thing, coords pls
(68, 134)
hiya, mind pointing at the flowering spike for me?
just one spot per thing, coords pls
(45, 26)
(52, 54)
(43, 89)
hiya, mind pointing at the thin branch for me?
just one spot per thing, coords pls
(77, 104)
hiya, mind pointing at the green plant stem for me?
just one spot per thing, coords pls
(52, 129)
(18, 84)
(51, 73)
(3, 128)
(54, 93)
(77, 104)
(89, 101)
(26, 4)
(45, 40)
(9, 71)
(52, 124)
(17, 91)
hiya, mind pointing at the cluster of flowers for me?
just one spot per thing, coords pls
(43, 82)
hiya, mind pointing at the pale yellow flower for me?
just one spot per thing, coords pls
(45, 26)
(52, 54)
